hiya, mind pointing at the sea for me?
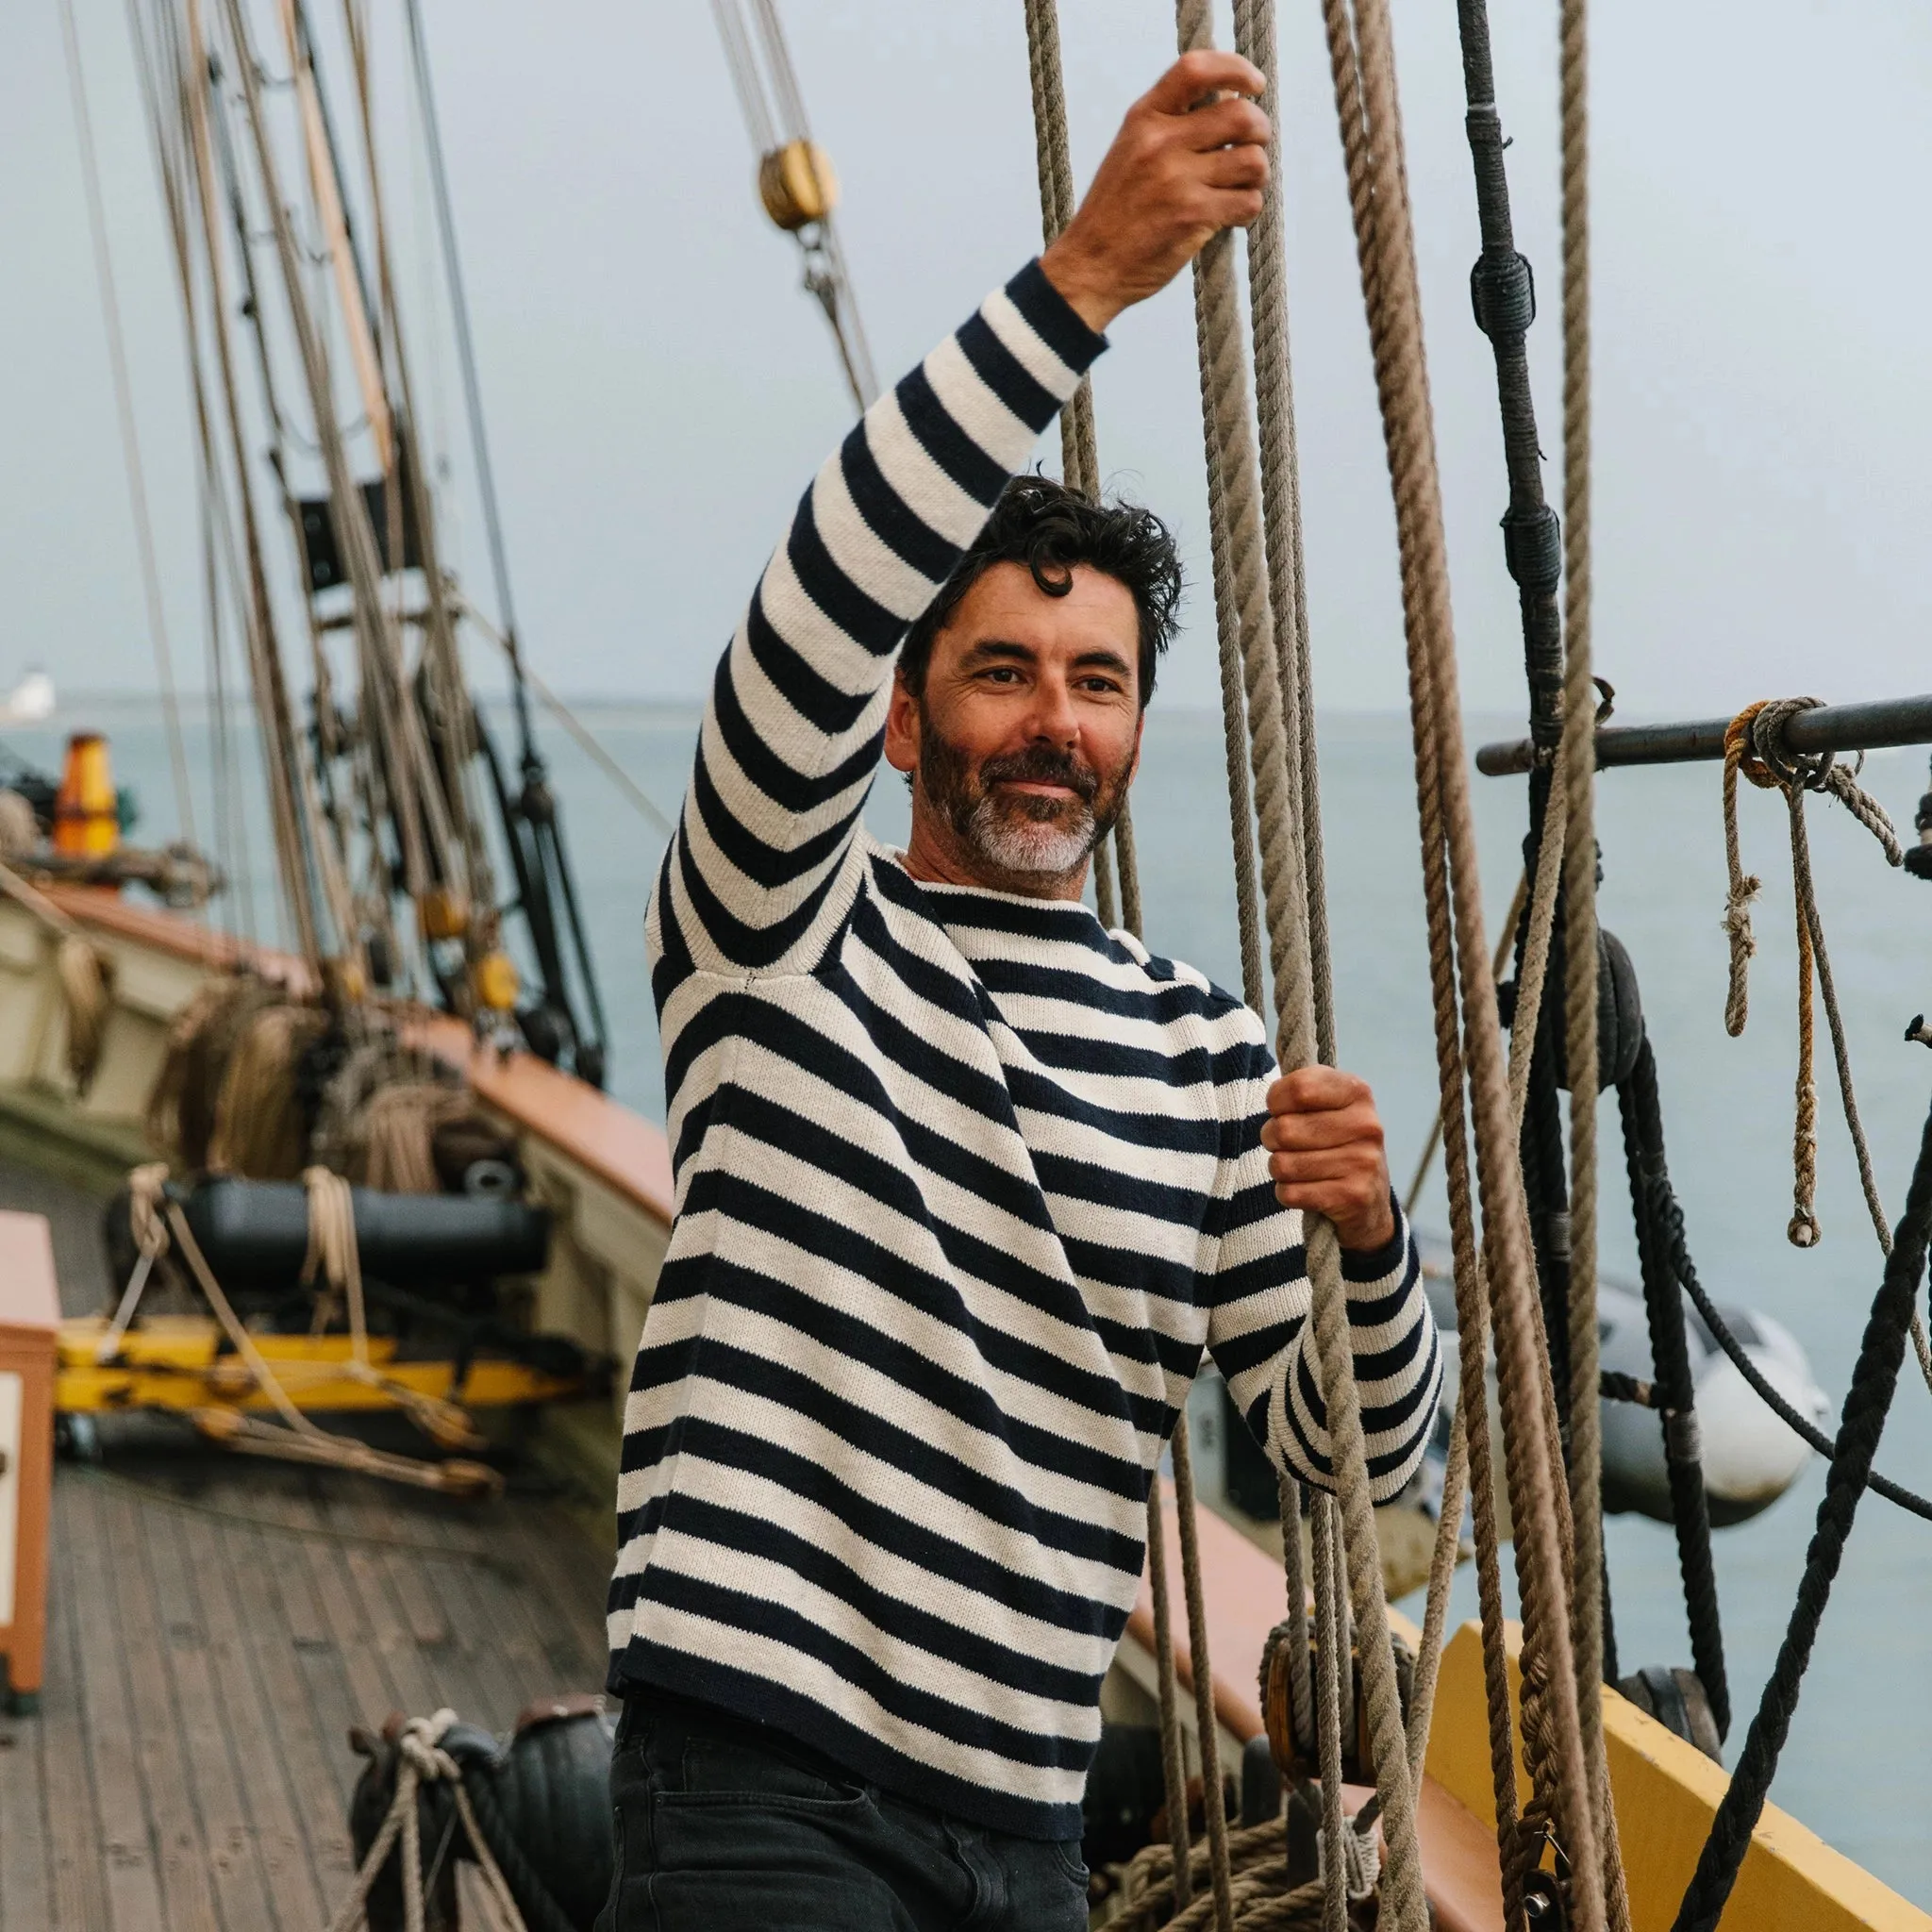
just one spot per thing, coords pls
(1853, 1767)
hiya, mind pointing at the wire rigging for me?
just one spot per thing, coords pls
(123, 404)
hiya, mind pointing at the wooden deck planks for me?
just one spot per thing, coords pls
(124, 1834)
(281, 1667)
(181, 1846)
(26, 1882)
(202, 1724)
(67, 1809)
(217, 1627)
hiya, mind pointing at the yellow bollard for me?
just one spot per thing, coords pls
(86, 816)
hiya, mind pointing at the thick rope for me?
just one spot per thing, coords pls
(1365, 98)
(1207, 1726)
(1577, 765)
(1860, 1424)
(1174, 1769)
(1238, 531)
(421, 1760)
(1295, 1577)
(1329, 1654)
(1281, 507)
(1080, 465)
(1674, 1391)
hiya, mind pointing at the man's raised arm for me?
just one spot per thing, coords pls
(757, 875)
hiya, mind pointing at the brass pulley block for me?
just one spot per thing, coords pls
(797, 185)
(1277, 1705)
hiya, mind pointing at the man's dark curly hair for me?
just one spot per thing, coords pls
(1050, 528)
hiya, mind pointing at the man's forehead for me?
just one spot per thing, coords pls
(1007, 600)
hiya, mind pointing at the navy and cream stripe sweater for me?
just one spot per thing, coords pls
(965, 1184)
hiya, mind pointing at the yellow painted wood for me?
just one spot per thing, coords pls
(172, 1362)
(1667, 1793)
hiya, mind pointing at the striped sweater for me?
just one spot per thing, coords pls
(965, 1184)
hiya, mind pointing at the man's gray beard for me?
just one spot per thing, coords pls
(1012, 841)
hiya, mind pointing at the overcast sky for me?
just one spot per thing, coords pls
(659, 389)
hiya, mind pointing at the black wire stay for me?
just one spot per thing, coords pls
(1861, 1421)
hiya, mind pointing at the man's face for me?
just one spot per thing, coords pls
(1028, 730)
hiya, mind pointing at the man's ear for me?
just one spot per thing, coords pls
(1139, 730)
(902, 727)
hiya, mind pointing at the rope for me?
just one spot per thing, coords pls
(1237, 533)
(421, 1760)
(1581, 1051)
(1366, 104)
(1669, 1214)
(1673, 1389)
(1753, 744)
(158, 1226)
(1281, 507)
(1208, 1729)
(1860, 1425)
(1081, 466)
(81, 972)
(1296, 1620)
(123, 404)
(1330, 1644)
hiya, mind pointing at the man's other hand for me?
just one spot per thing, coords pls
(1326, 1154)
(1178, 174)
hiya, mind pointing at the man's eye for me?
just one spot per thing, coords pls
(1003, 673)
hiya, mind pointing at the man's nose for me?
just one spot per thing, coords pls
(1054, 717)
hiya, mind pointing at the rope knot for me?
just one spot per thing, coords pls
(421, 1744)
(145, 1198)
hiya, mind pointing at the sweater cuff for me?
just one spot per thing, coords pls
(1055, 319)
(1379, 1268)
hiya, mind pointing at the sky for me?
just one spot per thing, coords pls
(659, 389)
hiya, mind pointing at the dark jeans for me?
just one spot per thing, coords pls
(724, 1826)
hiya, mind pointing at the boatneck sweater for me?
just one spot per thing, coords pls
(965, 1184)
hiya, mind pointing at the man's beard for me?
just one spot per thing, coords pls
(1021, 835)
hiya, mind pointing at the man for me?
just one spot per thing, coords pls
(965, 1183)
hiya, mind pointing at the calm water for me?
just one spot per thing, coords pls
(1857, 1756)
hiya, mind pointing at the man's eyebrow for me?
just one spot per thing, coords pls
(996, 649)
(1005, 650)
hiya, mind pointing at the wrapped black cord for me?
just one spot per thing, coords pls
(1862, 1422)
(539, 1909)
(1669, 1219)
(1675, 1392)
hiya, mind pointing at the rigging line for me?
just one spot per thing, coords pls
(577, 729)
(130, 440)
(466, 356)
(729, 16)
(790, 103)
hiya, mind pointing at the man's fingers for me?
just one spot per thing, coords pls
(1228, 122)
(1305, 1166)
(1345, 1127)
(1316, 1089)
(1206, 73)
(1236, 167)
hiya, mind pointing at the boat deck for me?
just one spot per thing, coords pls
(215, 1626)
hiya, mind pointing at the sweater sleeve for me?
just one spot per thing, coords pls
(763, 867)
(1260, 1297)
